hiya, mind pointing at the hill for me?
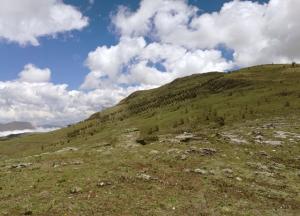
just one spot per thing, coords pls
(11, 126)
(207, 144)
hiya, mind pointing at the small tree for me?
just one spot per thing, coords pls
(294, 64)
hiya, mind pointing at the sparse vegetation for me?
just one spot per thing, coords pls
(209, 144)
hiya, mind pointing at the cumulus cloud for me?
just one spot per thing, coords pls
(26, 20)
(257, 33)
(34, 75)
(48, 103)
(141, 57)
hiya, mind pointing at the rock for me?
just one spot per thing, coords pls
(174, 151)
(67, 149)
(208, 151)
(258, 166)
(55, 165)
(154, 152)
(200, 171)
(77, 162)
(257, 133)
(103, 183)
(238, 178)
(76, 190)
(268, 174)
(277, 166)
(202, 151)
(187, 170)
(185, 137)
(183, 157)
(263, 153)
(44, 195)
(144, 177)
(273, 142)
(234, 138)
(20, 165)
(227, 171)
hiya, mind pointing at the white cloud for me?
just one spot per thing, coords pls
(37, 130)
(48, 103)
(258, 33)
(26, 20)
(33, 74)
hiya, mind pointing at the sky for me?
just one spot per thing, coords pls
(61, 61)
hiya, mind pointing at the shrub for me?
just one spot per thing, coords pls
(144, 140)
(220, 121)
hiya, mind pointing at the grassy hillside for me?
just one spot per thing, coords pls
(207, 144)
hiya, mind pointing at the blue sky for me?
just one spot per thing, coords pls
(66, 54)
(61, 61)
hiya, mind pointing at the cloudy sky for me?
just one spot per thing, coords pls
(61, 61)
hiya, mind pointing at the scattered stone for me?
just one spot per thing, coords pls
(281, 134)
(263, 153)
(185, 137)
(187, 170)
(257, 133)
(258, 166)
(234, 138)
(212, 172)
(103, 183)
(227, 171)
(55, 165)
(130, 130)
(44, 195)
(200, 171)
(277, 166)
(76, 190)
(238, 178)
(208, 151)
(259, 139)
(202, 151)
(273, 142)
(174, 151)
(144, 177)
(183, 157)
(77, 162)
(265, 173)
(67, 149)
(20, 165)
(154, 152)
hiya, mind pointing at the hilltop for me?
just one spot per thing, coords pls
(206, 144)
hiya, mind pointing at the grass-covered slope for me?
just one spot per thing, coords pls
(240, 157)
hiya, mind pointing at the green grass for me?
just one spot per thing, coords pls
(264, 178)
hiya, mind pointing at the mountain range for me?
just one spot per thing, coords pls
(12, 126)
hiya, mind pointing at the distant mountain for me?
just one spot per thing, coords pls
(12, 126)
